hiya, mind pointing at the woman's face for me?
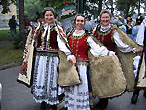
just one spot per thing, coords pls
(79, 22)
(105, 19)
(49, 17)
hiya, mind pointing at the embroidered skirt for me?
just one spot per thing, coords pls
(45, 75)
(77, 97)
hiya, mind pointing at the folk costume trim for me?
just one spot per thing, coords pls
(76, 41)
(46, 44)
(100, 33)
(106, 37)
(49, 54)
(86, 63)
(103, 33)
(77, 37)
(25, 74)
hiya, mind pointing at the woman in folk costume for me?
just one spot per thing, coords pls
(77, 96)
(110, 38)
(48, 42)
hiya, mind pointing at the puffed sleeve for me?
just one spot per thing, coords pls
(64, 48)
(120, 44)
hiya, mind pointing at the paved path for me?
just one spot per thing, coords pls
(18, 97)
(5, 43)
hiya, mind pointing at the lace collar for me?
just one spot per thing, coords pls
(78, 32)
(47, 25)
(105, 29)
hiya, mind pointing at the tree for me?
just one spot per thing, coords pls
(21, 20)
(92, 7)
(5, 5)
(127, 6)
(31, 7)
(110, 4)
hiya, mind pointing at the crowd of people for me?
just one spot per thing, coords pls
(102, 39)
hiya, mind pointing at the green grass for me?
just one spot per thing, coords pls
(4, 35)
(10, 55)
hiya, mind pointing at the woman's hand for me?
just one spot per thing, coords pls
(137, 50)
(73, 60)
(116, 56)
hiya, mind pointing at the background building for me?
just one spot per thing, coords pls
(4, 18)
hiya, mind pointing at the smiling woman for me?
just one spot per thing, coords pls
(41, 56)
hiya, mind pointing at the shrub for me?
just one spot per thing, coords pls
(17, 41)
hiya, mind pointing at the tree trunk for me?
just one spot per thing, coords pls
(138, 7)
(127, 11)
(21, 20)
(112, 9)
(100, 7)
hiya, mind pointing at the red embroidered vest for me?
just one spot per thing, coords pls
(106, 40)
(52, 44)
(79, 47)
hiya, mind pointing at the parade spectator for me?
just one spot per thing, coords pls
(121, 24)
(27, 24)
(129, 26)
(140, 39)
(88, 24)
(12, 24)
(136, 28)
(57, 20)
(39, 19)
(114, 19)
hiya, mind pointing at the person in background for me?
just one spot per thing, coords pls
(121, 24)
(12, 24)
(39, 19)
(27, 24)
(56, 20)
(136, 28)
(88, 24)
(114, 19)
(140, 39)
(129, 26)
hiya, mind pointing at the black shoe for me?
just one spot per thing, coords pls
(60, 97)
(134, 98)
(144, 93)
(43, 106)
(64, 108)
(102, 104)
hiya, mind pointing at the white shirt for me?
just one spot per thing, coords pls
(140, 34)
